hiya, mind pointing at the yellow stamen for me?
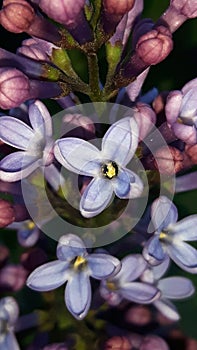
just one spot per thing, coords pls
(79, 261)
(111, 285)
(110, 170)
(30, 225)
(162, 235)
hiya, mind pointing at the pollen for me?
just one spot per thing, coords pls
(110, 170)
(162, 235)
(111, 285)
(79, 262)
(30, 225)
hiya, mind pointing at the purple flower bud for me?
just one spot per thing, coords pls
(153, 342)
(36, 49)
(7, 214)
(77, 125)
(14, 88)
(187, 7)
(191, 152)
(16, 15)
(168, 160)
(154, 46)
(118, 343)
(145, 118)
(12, 278)
(70, 14)
(112, 13)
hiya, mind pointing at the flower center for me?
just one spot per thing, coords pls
(109, 170)
(111, 286)
(79, 262)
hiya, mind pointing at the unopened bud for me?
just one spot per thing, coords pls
(12, 278)
(191, 152)
(118, 343)
(153, 342)
(168, 160)
(188, 8)
(14, 88)
(154, 46)
(114, 7)
(16, 15)
(7, 215)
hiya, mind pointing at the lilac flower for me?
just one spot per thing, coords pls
(181, 108)
(27, 232)
(122, 285)
(75, 266)
(106, 166)
(8, 315)
(170, 236)
(171, 288)
(36, 145)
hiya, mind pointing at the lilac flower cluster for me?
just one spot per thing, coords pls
(61, 60)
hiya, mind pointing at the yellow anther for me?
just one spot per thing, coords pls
(110, 170)
(162, 235)
(30, 225)
(79, 261)
(111, 285)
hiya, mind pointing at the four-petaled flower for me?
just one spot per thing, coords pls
(75, 266)
(170, 236)
(122, 285)
(9, 312)
(35, 142)
(107, 167)
(170, 287)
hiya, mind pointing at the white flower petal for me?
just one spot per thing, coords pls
(163, 213)
(186, 229)
(183, 254)
(160, 270)
(15, 133)
(120, 141)
(48, 276)
(78, 294)
(176, 287)
(40, 118)
(9, 307)
(153, 248)
(102, 265)
(167, 309)
(10, 342)
(96, 197)
(78, 156)
(69, 247)
(136, 185)
(132, 267)
(121, 183)
(140, 292)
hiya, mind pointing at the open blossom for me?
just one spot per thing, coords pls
(35, 142)
(122, 285)
(75, 266)
(107, 167)
(170, 236)
(174, 288)
(27, 232)
(181, 112)
(9, 312)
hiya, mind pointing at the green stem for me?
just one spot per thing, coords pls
(95, 92)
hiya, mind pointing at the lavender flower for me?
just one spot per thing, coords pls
(181, 108)
(8, 315)
(75, 266)
(36, 146)
(106, 166)
(170, 236)
(122, 285)
(27, 232)
(171, 288)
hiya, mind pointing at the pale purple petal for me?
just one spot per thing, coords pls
(78, 294)
(48, 276)
(189, 104)
(154, 249)
(163, 213)
(9, 310)
(167, 309)
(183, 254)
(192, 84)
(40, 118)
(136, 186)
(102, 265)
(120, 141)
(121, 183)
(133, 89)
(176, 287)
(12, 176)
(69, 247)
(132, 267)
(9, 342)
(27, 237)
(139, 292)
(159, 270)
(16, 161)
(173, 106)
(78, 156)
(96, 197)
(185, 133)
(186, 229)
(15, 133)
